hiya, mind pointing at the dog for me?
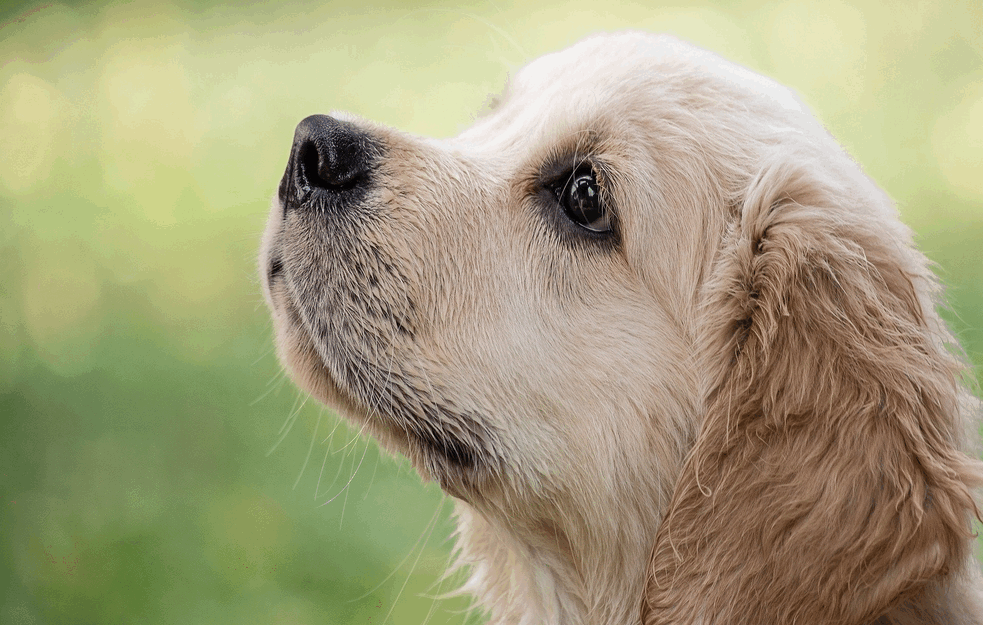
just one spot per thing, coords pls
(671, 352)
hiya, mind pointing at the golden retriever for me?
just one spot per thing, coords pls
(672, 353)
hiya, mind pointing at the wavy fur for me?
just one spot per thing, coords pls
(828, 483)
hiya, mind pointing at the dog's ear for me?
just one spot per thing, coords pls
(826, 484)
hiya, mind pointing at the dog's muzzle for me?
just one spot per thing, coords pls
(328, 176)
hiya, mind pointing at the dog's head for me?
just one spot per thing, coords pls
(645, 293)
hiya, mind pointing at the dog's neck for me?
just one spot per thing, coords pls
(578, 552)
(578, 571)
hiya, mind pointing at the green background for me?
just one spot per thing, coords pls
(155, 465)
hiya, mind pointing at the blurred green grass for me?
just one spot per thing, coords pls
(139, 397)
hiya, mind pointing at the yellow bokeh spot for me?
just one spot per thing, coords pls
(957, 142)
(295, 611)
(819, 45)
(60, 297)
(9, 340)
(31, 114)
(250, 535)
(150, 127)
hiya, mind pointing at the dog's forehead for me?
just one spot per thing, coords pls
(604, 74)
(593, 61)
(619, 58)
(616, 60)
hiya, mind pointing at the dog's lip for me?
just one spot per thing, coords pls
(289, 312)
(285, 299)
(274, 269)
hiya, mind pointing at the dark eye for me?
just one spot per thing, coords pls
(580, 198)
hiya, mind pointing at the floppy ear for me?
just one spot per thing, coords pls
(827, 484)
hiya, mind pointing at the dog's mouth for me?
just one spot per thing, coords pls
(274, 271)
(409, 413)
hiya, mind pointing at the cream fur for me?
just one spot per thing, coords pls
(740, 407)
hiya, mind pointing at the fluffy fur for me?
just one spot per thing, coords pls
(739, 406)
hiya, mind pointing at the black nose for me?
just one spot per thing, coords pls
(327, 156)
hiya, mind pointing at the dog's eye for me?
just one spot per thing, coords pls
(581, 200)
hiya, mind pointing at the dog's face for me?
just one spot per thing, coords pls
(513, 307)
(531, 311)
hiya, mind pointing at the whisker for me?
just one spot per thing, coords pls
(331, 434)
(412, 569)
(275, 383)
(350, 479)
(433, 519)
(317, 488)
(344, 504)
(266, 352)
(309, 450)
(378, 460)
(287, 426)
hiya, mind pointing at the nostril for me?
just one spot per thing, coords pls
(308, 162)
